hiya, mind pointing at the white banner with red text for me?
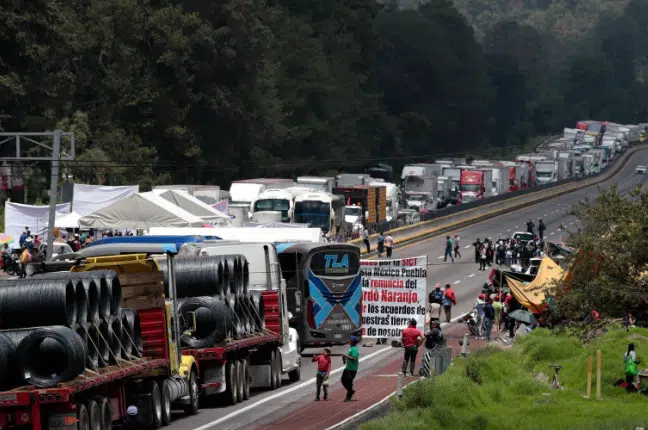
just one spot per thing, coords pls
(393, 292)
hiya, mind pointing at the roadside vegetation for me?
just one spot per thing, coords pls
(511, 389)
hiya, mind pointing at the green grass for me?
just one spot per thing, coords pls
(500, 389)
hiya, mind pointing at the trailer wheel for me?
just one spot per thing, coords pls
(194, 395)
(273, 370)
(83, 416)
(105, 413)
(156, 405)
(279, 369)
(166, 403)
(94, 414)
(246, 380)
(231, 392)
(240, 374)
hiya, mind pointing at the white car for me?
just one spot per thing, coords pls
(640, 170)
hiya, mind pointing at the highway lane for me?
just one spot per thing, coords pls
(463, 275)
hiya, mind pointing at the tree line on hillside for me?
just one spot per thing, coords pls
(188, 91)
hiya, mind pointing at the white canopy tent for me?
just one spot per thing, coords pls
(194, 206)
(70, 220)
(90, 198)
(247, 234)
(141, 211)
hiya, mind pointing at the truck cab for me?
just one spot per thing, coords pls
(420, 201)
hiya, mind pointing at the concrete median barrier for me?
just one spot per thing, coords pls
(446, 220)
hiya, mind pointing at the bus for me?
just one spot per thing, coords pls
(278, 200)
(323, 290)
(319, 209)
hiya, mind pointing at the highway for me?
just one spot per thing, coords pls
(266, 406)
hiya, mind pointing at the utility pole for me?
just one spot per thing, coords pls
(57, 155)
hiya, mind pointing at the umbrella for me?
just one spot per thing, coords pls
(524, 316)
(5, 238)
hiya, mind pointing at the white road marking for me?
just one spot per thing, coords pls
(516, 226)
(470, 276)
(552, 233)
(545, 214)
(571, 223)
(508, 230)
(467, 246)
(456, 282)
(440, 257)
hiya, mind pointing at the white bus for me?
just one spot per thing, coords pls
(277, 200)
(323, 210)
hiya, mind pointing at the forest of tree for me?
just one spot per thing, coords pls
(189, 91)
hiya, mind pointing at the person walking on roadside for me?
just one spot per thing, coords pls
(411, 339)
(25, 258)
(433, 340)
(389, 244)
(323, 371)
(457, 254)
(489, 318)
(482, 258)
(435, 298)
(350, 359)
(381, 244)
(365, 239)
(448, 250)
(541, 229)
(477, 246)
(449, 300)
(530, 226)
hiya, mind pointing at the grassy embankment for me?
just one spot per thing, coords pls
(504, 389)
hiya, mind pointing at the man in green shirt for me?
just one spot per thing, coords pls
(351, 359)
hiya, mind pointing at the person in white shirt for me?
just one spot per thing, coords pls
(389, 244)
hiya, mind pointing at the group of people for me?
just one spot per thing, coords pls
(351, 360)
(385, 243)
(438, 299)
(452, 248)
(506, 252)
(412, 339)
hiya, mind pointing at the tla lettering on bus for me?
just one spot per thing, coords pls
(332, 261)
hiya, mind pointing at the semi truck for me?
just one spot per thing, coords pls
(475, 185)
(546, 172)
(351, 179)
(317, 183)
(454, 175)
(167, 376)
(501, 180)
(372, 199)
(564, 166)
(421, 193)
(444, 191)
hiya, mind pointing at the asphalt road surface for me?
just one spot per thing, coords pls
(462, 275)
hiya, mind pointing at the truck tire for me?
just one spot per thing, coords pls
(240, 372)
(279, 369)
(166, 402)
(194, 394)
(295, 375)
(231, 391)
(94, 414)
(246, 380)
(273, 370)
(83, 416)
(105, 413)
(156, 405)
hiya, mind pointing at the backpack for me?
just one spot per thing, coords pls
(631, 367)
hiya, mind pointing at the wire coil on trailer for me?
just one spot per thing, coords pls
(51, 355)
(213, 321)
(7, 362)
(132, 333)
(111, 329)
(259, 306)
(97, 349)
(86, 294)
(111, 280)
(196, 277)
(38, 302)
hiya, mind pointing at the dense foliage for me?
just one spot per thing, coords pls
(190, 91)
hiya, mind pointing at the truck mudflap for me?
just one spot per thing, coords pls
(213, 379)
(62, 421)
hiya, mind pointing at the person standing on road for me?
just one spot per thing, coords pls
(530, 226)
(411, 339)
(449, 300)
(477, 246)
(541, 229)
(479, 307)
(323, 371)
(351, 359)
(448, 250)
(389, 244)
(433, 340)
(435, 299)
(381, 244)
(482, 257)
(365, 239)
(457, 254)
(489, 317)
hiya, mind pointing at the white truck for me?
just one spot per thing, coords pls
(591, 164)
(444, 191)
(421, 193)
(564, 168)
(317, 183)
(501, 180)
(546, 171)
(351, 179)
(601, 156)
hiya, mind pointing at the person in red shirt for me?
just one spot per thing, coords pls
(411, 339)
(323, 370)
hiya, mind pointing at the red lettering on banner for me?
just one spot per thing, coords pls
(409, 262)
(387, 283)
(398, 296)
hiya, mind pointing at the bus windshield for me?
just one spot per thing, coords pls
(315, 213)
(274, 205)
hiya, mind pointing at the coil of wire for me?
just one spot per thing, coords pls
(213, 321)
(132, 334)
(7, 362)
(196, 277)
(30, 303)
(111, 281)
(86, 294)
(259, 307)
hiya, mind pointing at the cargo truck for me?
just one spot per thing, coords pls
(351, 179)
(546, 172)
(564, 168)
(421, 193)
(392, 191)
(317, 183)
(167, 376)
(444, 192)
(501, 180)
(372, 199)
(475, 185)
(453, 174)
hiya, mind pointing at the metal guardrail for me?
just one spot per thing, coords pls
(436, 362)
(451, 213)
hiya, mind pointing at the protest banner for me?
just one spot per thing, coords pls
(393, 292)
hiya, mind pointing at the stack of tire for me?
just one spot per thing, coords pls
(213, 292)
(54, 326)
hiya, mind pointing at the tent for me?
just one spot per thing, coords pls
(189, 203)
(274, 224)
(141, 211)
(248, 234)
(87, 199)
(19, 216)
(70, 220)
(531, 295)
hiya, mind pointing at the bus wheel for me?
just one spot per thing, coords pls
(83, 416)
(194, 395)
(94, 415)
(166, 402)
(279, 369)
(240, 373)
(246, 380)
(273, 370)
(231, 392)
